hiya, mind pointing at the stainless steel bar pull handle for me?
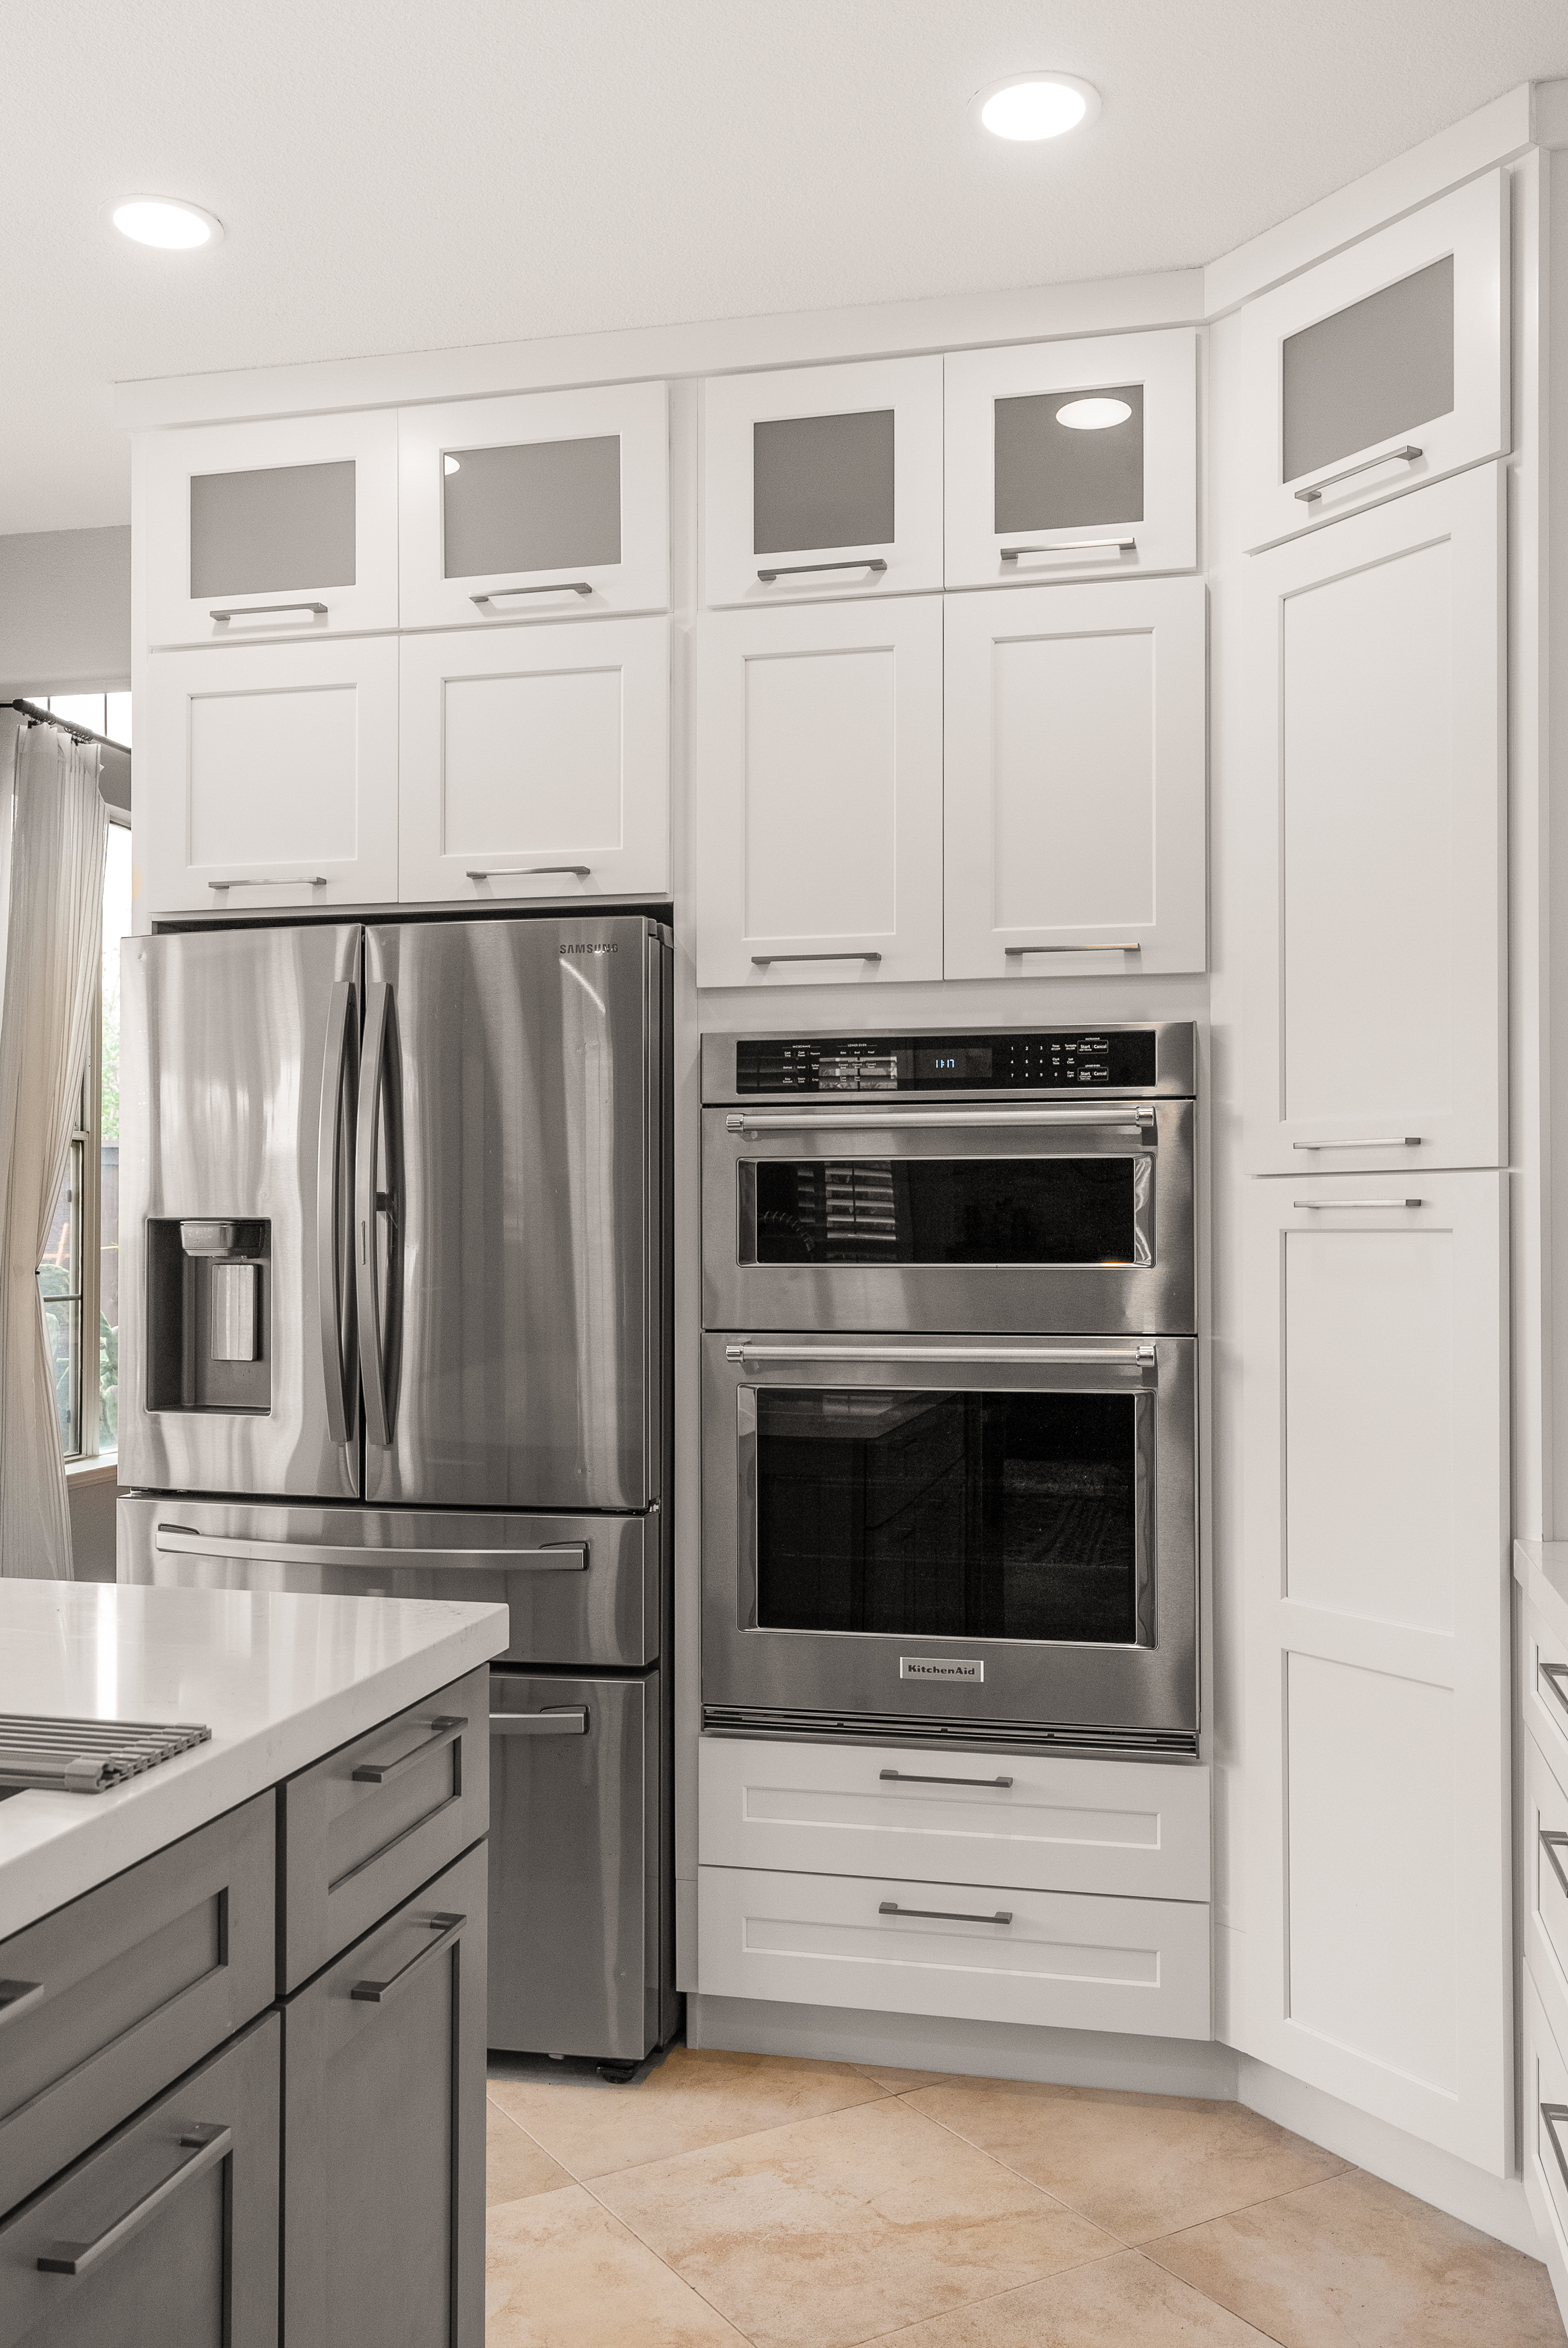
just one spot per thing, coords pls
(946, 1915)
(367, 1205)
(1382, 1141)
(206, 2143)
(549, 587)
(831, 953)
(252, 611)
(1552, 2118)
(271, 880)
(874, 563)
(336, 1065)
(446, 1928)
(871, 1117)
(548, 1557)
(1405, 455)
(914, 1777)
(525, 872)
(1552, 1842)
(1074, 546)
(1110, 946)
(1112, 1357)
(444, 1729)
(1553, 1674)
(1334, 1206)
(572, 1720)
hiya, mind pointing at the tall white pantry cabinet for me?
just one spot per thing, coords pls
(888, 677)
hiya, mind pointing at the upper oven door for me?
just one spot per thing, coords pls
(1026, 1216)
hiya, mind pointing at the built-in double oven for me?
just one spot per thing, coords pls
(949, 1403)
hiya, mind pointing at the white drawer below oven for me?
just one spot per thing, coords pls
(1139, 1829)
(1061, 1959)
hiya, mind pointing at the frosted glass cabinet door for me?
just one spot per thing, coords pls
(1076, 780)
(287, 528)
(535, 763)
(817, 794)
(1374, 1386)
(823, 482)
(553, 504)
(1072, 460)
(268, 777)
(1382, 368)
(1371, 662)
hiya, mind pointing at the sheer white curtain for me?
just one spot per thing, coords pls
(54, 829)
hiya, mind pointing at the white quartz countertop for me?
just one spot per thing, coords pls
(1540, 1570)
(279, 1679)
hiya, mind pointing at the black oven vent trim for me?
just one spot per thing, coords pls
(902, 1728)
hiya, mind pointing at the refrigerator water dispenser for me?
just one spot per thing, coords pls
(208, 1309)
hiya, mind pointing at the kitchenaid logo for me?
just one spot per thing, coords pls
(569, 950)
(940, 1667)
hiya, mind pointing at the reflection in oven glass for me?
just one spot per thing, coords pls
(946, 1210)
(929, 1515)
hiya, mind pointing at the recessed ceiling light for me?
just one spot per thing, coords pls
(1036, 105)
(450, 465)
(1093, 415)
(164, 221)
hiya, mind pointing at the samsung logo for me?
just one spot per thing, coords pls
(940, 1667)
(571, 950)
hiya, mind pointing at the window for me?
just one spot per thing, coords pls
(79, 1273)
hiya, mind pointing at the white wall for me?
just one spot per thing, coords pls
(65, 611)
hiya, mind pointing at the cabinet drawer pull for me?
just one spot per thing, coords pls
(550, 587)
(1331, 1206)
(832, 954)
(1552, 1674)
(207, 2142)
(271, 880)
(799, 570)
(14, 1996)
(1074, 546)
(443, 1729)
(250, 611)
(945, 1915)
(570, 1720)
(1406, 456)
(1553, 2115)
(446, 1928)
(525, 872)
(1552, 1842)
(1115, 945)
(913, 1778)
(1383, 1141)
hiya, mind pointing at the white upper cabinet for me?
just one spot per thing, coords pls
(537, 508)
(822, 481)
(1072, 460)
(1076, 780)
(535, 763)
(272, 775)
(283, 529)
(1380, 369)
(816, 793)
(1374, 1425)
(1373, 733)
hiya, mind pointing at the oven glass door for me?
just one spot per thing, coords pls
(963, 1210)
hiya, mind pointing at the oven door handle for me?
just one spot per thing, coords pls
(1110, 1357)
(1139, 1118)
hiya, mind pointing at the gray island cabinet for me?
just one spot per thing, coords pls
(243, 2079)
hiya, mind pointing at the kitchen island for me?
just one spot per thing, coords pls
(210, 2127)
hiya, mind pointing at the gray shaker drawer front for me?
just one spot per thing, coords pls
(166, 2235)
(384, 2068)
(107, 2000)
(367, 1826)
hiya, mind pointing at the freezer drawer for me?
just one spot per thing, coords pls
(576, 1799)
(582, 1589)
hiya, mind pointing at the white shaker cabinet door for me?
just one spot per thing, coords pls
(283, 527)
(535, 763)
(1076, 783)
(537, 508)
(816, 793)
(1072, 460)
(1375, 1392)
(1375, 747)
(1382, 369)
(267, 777)
(823, 482)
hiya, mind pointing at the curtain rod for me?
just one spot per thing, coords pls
(37, 716)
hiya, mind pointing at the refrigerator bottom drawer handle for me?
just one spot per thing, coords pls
(572, 1722)
(554, 1557)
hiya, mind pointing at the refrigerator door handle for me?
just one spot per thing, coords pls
(335, 1068)
(367, 1203)
(572, 1720)
(189, 1540)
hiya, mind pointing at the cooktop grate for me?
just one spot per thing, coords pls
(85, 1757)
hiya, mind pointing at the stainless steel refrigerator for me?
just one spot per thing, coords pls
(395, 1318)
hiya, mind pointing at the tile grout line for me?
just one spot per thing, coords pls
(1124, 2249)
(617, 2220)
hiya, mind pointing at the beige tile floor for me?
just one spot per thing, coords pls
(736, 2198)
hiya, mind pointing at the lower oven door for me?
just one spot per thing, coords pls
(989, 1539)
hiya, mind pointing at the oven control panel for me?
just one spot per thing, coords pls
(1035, 1060)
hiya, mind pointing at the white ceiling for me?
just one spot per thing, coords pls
(416, 174)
